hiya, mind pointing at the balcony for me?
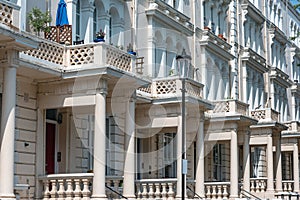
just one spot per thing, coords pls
(230, 106)
(172, 17)
(293, 126)
(9, 14)
(171, 87)
(255, 60)
(80, 56)
(214, 43)
(266, 114)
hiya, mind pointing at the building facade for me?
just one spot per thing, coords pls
(83, 119)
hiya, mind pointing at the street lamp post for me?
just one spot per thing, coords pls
(183, 67)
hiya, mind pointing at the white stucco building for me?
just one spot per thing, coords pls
(83, 119)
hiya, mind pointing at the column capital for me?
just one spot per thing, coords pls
(10, 58)
(102, 86)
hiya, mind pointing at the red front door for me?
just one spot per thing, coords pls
(50, 148)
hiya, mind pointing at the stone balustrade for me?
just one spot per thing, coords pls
(77, 56)
(265, 114)
(172, 13)
(77, 186)
(67, 186)
(258, 185)
(230, 106)
(171, 87)
(287, 186)
(293, 126)
(115, 183)
(9, 14)
(156, 189)
(217, 190)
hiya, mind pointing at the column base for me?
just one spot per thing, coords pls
(130, 197)
(100, 197)
(7, 197)
(233, 197)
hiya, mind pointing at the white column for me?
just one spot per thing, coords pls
(71, 10)
(246, 162)
(87, 22)
(8, 133)
(270, 181)
(129, 165)
(234, 165)
(199, 189)
(279, 166)
(99, 144)
(151, 49)
(179, 157)
(296, 168)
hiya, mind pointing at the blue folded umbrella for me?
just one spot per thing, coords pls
(61, 14)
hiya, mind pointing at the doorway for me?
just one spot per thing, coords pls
(50, 148)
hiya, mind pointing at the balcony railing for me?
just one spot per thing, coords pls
(67, 186)
(293, 126)
(73, 57)
(230, 106)
(266, 114)
(258, 185)
(156, 188)
(115, 183)
(287, 186)
(172, 13)
(60, 34)
(217, 190)
(9, 14)
(171, 87)
(77, 186)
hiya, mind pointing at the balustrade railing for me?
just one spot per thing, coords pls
(258, 185)
(171, 87)
(78, 186)
(217, 190)
(287, 186)
(233, 106)
(5, 13)
(67, 186)
(293, 126)
(156, 189)
(266, 114)
(171, 12)
(72, 57)
(115, 183)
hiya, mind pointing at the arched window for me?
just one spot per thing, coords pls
(78, 21)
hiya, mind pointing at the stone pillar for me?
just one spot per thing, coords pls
(246, 162)
(129, 165)
(100, 142)
(87, 18)
(179, 158)
(199, 189)
(296, 167)
(71, 10)
(270, 181)
(8, 133)
(278, 165)
(234, 166)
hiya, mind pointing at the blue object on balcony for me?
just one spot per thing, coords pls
(99, 39)
(61, 14)
(132, 53)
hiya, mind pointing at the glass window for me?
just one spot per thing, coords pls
(169, 155)
(78, 21)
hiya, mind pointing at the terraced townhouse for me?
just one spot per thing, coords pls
(180, 99)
